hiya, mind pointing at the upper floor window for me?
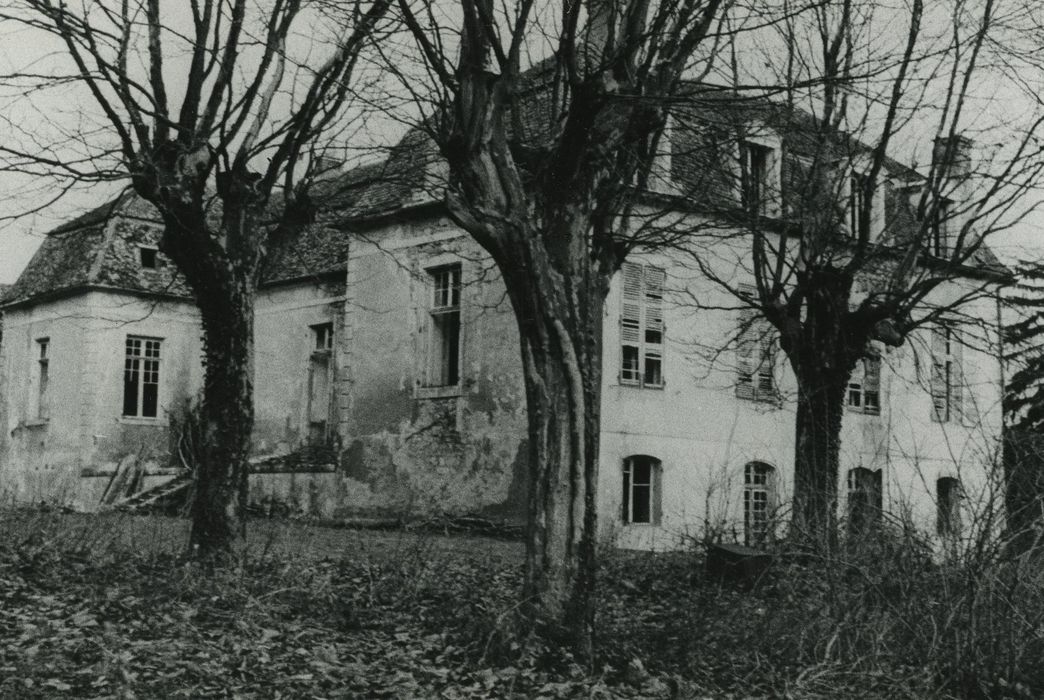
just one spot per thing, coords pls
(864, 386)
(641, 490)
(859, 207)
(755, 177)
(641, 325)
(444, 326)
(755, 354)
(41, 409)
(141, 373)
(947, 378)
(150, 257)
(759, 503)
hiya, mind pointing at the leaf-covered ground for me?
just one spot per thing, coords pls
(103, 607)
(106, 607)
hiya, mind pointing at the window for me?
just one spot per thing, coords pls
(948, 496)
(320, 371)
(864, 500)
(759, 502)
(149, 258)
(941, 231)
(641, 326)
(641, 490)
(755, 354)
(947, 374)
(43, 377)
(858, 207)
(864, 386)
(444, 336)
(755, 171)
(141, 372)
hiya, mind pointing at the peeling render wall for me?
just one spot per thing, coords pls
(410, 448)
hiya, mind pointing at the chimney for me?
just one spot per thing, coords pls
(951, 156)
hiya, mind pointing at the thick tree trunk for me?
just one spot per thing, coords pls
(562, 402)
(227, 419)
(817, 457)
(823, 349)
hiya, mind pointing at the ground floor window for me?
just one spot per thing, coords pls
(948, 494)
(864, 499)
(759, 503)
(641, 490)
(141, 376)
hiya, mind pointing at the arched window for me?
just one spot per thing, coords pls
(641, 490)
(864, 499)
(759, 502)
(948, 496)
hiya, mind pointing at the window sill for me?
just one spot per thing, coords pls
(863, 411)
(636, 385)
(437, 392)
(136, 420)
(36, 422)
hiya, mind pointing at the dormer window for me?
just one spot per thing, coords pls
(149, 258)
(859, 207)
(755, 177)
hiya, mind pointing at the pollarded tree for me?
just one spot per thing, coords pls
(542, 166)
(845, 246)
(200, 101)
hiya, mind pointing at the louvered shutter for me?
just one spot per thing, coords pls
(631, 324)
(956, 374)
(652, 325)
(940, 375)
(746, 349)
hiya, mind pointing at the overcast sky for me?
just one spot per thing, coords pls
(20, 236)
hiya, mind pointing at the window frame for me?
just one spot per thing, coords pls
(946, 380)
(859, 386)
(642, 314)
(755, 369)
(139, 360)
(653, 489)
(40, 408)
(759, 479)
(444, 308)
(949, 495)
(323, 339)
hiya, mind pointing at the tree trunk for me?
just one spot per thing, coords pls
(817, 445)
(823, 350)
(561, 353)
(227, 420)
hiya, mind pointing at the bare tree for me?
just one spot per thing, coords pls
(542, 166)
(252, 110)
(858, 247)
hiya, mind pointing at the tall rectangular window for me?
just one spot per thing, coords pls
(755, 354)
(948, 494)
(43, 378)
(320, 370)
(865, 500)
(864, 386)
(858, 207)
(444, 336)
(755, 161)
(759, 502)
(947, 378)
(141, 373)
(641, 490)
(641, 325)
